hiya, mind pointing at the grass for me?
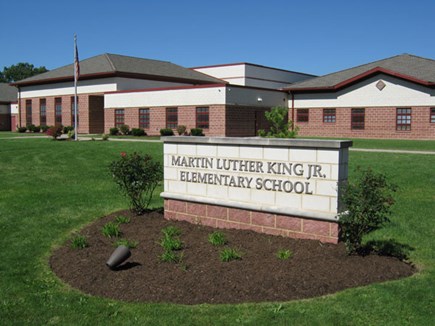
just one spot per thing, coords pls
(229, 254)
(132, 244)
(111, 230)
(49, 190)
(217, 238)
(284, 254)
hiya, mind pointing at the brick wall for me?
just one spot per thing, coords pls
(242, 121)
(232, 218)
(380, 122)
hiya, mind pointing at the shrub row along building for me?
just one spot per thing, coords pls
(390, 98)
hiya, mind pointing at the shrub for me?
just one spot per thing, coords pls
(171, 243)
(31, 127)
(181, 130)
(196, 132)
(111, 230)
(217, 238)
(79, 242)
(105, 137)
(124, 129)
(114, 131)
(21, 129)
(54, 132)
(229, 254)
(280, 126)
(122, 219)
(71, 134)
(368, 203)
(170, 257)
(166, 132)
(67, 129)
(137, 177)
(171, 231)
(44, 128)
(284, 254)
(37, 129)
(138, 132)
(125, 242)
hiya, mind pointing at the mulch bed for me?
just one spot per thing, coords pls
(314, 270)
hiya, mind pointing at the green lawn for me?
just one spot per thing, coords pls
(49, 189)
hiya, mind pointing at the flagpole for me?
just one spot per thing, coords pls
(75, 88)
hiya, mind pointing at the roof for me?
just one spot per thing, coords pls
(113, 65)
(8, 93)
(406, 66)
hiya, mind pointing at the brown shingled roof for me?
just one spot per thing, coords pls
(8, 93)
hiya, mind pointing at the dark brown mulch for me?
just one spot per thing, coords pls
(315, 269)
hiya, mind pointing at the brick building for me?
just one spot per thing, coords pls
(390, 98)
(8, 107)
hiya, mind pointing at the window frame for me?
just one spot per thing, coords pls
(402, 119)
(171, 122)
(43, 112)
(28, 112)
(355, 115)
(119, 116)
(144, 118)
(432, 115)
(329, 115)
(302, 115)
(202, 112)
(72, 112)
(58, 110)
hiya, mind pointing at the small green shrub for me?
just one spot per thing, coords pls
(67, 129)
(37, 129)
(181, 130)
(125, 242)
(284, 254)
(280, 126)
(171, 243)
(105, 137)
(171, 231)
(166, 132)
(122, 219)
(229, 254)
(54, 131)
(21, 129)
(138, 132)
(71, 134)
(137, 177)
(368, 202)
(111, 230)
(44, 128)
(79, 242)
(31, 128)
(114, 131)
(217, 238)
(196, 132)
(170, 257)
(124, 129)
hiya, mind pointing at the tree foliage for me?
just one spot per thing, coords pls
(20, 71)
(280, 126)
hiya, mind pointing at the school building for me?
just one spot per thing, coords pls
(8, 107)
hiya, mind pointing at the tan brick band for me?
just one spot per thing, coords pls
(234, 218)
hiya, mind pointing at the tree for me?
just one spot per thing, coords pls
(20, 71)
(280, 126)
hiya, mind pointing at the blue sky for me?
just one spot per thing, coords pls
(317, 37)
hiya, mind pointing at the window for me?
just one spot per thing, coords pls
(432, 115)
(357, 119)
(171, 118)
(302, 115)
(58, 110)
(73, 111)
(403, 119)
(329, 115)
(202, 118)
(119, 117)
(144, 118)
(28, 112)
(43, 112)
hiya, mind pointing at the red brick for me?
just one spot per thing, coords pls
(170, 215)
(196, 209)
(177, 206)
(263, 219)
(185, 217)
(229, 225)
(239, 215)
(219, 212)
(207, 221)
(327, 239)
(334, 230)
(289, 223)
(278, 232)
(315, 227)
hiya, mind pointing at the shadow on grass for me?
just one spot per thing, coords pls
(389, 247)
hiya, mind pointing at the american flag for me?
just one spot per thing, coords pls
(76, 60)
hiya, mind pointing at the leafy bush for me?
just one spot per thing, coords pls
(166, 132)
(125, 242)
(137, 177)
(21, 129)
(284, 254)
(124, 129)
(171, 243)
(37, 129)
(368, 203)
(71, 134)
(217, 238)
(196, 132)
(44, 128)
(229, 254)
(114, 131)
(111, 230)
(79, 242)
(54, 132)
(105, 137)
(181, 130)
(138, 132)
(67, 129)
(31, 127)
(280, 126)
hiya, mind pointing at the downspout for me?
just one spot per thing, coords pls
(19, 106)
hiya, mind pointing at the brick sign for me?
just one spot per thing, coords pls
(293, 178)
